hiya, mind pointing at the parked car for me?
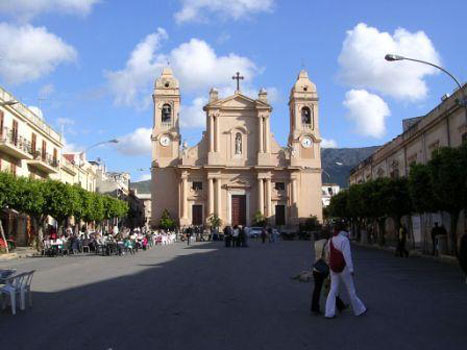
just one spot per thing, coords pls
(255, 232)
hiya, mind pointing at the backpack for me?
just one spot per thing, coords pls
(336, 259)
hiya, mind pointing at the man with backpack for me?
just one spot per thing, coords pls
(341, 270)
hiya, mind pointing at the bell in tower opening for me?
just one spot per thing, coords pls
(306, 116)
(166, 113)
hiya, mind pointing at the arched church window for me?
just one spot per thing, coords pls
(166, 113)
(306, 116)
(238, 143)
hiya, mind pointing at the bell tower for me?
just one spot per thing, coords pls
(166, 131)
(304, 137)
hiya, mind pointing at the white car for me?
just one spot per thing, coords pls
(255, 232)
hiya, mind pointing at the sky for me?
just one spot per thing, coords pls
(89, 66)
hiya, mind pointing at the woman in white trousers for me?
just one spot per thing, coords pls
(341, 244)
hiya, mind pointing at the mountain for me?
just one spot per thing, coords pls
(141, 186)
(336, 163)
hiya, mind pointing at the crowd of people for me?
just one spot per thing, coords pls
(112, 242)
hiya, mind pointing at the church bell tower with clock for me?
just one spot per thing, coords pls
(165, 140)
(166, 132)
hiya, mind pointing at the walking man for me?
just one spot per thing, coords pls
(401, 241)
(342, 271)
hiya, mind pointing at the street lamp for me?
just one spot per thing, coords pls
(101, 143)
(8, 103)
(393, 57)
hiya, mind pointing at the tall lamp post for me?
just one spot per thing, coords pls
(90, 147)
(393, 57)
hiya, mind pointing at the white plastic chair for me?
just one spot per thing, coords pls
(26, 289)
(12, 288)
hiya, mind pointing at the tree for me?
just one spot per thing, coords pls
(8, 197)
(215, 221)
(166, 222)
(421, 189)
(259, 219)
(338, 206)
(448, 170)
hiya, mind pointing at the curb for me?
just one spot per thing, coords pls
(8, 257)
(446, 259)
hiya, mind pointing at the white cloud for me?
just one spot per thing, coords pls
(139, 72)
(362, 62)
(27, 9)
(37, 111)
(131, 85)
(144, 177)
(70, 147)
(33, 53)
(193, 116)
(200, 10)
(65, 121)
(136, 143)
(46, 90)
(328, 143)
(211, 70)
(367, 111)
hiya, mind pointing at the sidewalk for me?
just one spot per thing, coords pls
(19, 253)
(450, 259)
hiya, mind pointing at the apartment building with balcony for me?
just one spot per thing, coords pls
(28, 145)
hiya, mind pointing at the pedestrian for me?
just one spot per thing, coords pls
(321, 272)
(436, 231)
(228, 236)
(342, 271)
(246, 232)
(189, 232)
(263, 235)
(462, 254)
(401, 241)
(235, 236)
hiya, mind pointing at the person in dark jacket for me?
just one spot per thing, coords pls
(462, 255)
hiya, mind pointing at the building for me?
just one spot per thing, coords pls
(116, 184)
(328, 191)
(76, 170)
(238, 168)
(140, 209)
(28, 145)
(445, 125)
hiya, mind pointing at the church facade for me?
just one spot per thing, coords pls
(237, 169)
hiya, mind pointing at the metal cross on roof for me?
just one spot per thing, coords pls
(237, 77)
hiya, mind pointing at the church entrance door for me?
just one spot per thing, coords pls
(197, 214)
(238, 210)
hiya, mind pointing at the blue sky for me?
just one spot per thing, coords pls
(90, 65)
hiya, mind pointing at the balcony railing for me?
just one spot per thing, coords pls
(10, 137)
(46, 158)
(166, 125)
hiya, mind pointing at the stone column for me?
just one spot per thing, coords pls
(267, 135)
(210, 196)
(261, 134)
(211, 133)
(261, 196)
(268, 198)
(184, 196)
(293, 190)
(216, 137)
(218, 196)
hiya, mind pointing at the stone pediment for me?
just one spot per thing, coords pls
(237, 101)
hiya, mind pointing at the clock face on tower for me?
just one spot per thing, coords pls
(306, 142)
(164, 140)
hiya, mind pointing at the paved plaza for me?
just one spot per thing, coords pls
(209, 297)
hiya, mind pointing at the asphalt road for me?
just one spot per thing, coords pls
(209, 297)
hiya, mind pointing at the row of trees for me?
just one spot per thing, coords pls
(42, 198)
(439, 185)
